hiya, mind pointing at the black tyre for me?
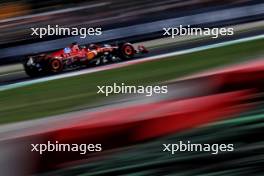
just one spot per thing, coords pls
(32, 72)
(30, 69)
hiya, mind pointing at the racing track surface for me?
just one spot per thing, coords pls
(20, 76)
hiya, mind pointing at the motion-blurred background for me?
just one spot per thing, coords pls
(17, 17)
(215, 89)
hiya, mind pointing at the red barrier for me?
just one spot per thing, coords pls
(133, 124)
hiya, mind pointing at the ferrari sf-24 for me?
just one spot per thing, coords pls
(76, 56)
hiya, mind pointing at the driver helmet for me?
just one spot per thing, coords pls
(75, 46)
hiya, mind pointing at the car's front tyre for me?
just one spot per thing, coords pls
(126, 51)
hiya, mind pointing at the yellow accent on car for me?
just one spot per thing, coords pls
(90, 55)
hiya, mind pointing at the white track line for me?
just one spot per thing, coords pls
(124, 64)
(12, 73)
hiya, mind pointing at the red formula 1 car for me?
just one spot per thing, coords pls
(76, 56)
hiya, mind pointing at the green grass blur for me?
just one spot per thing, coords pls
(76, 93)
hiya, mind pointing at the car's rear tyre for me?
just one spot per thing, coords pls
(55, 66)
(127, 51)
(30, 69)
(32, 72)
